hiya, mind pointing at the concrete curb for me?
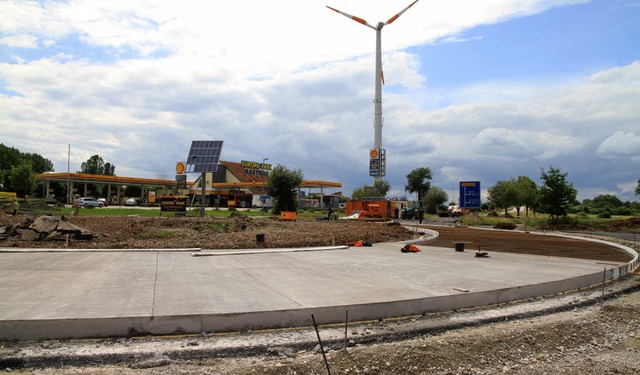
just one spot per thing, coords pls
(267, 251)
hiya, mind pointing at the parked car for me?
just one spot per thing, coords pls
(104, 201)
(89, 202)
(131, 202)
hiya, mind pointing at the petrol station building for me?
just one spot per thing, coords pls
(241, 185)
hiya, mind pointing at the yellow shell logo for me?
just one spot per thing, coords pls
(180, 168)
(373, 154)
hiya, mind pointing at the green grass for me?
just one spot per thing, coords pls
(194, 212)
(542, 221)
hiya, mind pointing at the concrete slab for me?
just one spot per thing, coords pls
(89, 294)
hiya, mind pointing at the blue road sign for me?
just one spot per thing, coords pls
(470, 194)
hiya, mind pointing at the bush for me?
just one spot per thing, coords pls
(560, 222)
(509, 226)
(604, 214)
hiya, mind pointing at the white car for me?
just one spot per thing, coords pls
(131, 202)
(89, 202)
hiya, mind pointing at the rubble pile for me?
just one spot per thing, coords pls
(44, 228)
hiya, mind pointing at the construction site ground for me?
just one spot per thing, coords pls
(584, 338)
(239, 232)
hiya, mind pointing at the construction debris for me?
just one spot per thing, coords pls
(44, 228)
(410, 249)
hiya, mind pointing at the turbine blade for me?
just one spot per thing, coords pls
(357, 19)
(399, 14)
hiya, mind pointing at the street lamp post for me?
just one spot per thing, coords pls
(69, 175)
(263, 190)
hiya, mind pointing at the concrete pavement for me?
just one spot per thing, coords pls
(79, 294)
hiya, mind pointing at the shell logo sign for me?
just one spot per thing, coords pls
(180, 167)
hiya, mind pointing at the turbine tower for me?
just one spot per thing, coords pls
(377, 156)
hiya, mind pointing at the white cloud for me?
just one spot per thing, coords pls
(20, 41)
(621, 145)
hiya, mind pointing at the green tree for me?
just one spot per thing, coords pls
(11, 157)
(435, 198)
(22, 179)
(556, 194)
(97, 165)
(39, 164)
(606, 202)
(503, 194)
(638, 188)
(526, 194)
(418, 181)
(378, 190)
(282, 186)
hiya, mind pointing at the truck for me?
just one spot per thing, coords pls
(451, 211)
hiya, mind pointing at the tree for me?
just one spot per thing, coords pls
(434, 199)
(503, 194)
(418, 181)
(39, 164)
(10, 158)
(22, 179)
(378, 190)
(526, 194)
(282, 186)
(97, 165)
(606, 203)
(638, 188)
(556, 194)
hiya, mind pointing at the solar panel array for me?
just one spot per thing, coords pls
(204, 156)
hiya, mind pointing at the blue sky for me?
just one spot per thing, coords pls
(567, 41)
(476, 90)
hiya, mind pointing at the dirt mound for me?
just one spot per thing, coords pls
(238, 231)
(622, 225)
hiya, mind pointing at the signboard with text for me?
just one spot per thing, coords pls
(173, 204)
(377, 161)
(374, 167)
(470, 194)
(252, 167)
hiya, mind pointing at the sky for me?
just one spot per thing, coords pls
(481, 90)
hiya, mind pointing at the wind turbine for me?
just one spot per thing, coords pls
(377, 153)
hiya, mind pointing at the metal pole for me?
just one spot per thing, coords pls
(604, 276)
(346, 326)
(203, 196)
(69, 175)
(321, 347)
